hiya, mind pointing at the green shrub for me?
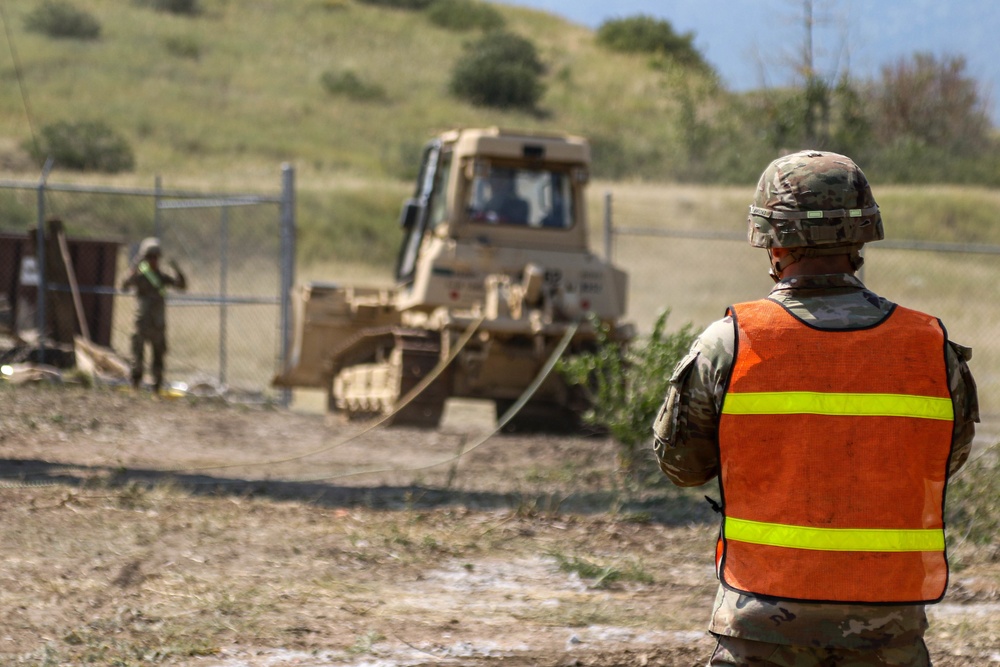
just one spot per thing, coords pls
(499, 70)
(186, 7)
(645, 34)
(61, 19)
(183, 46)
(626, 387)
(86, 146)
(399, 4)
(973, 507)
(464, 15)
(349, 84)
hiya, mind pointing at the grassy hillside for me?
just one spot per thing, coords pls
(220, 99)
(238, 88)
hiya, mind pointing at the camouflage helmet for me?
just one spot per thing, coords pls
(813, 199)
(149, 247)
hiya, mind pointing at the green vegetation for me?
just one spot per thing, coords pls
(86, 146)
(646, 34)
(627, 388)
(182, 46)
(188, 7)
(348, 91)
(973, 508)
(350, 85)
(603, 575)
(212, 88)
(400, 4)
(62, 19)
(464, 15)
(500, 70)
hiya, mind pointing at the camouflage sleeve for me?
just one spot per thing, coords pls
(965, 399)
(686, 429)
(179, 280)
(130, 281)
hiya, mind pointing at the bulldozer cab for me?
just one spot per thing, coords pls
(494, 187)
(494, 238)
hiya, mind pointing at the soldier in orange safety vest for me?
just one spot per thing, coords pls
(833, 419)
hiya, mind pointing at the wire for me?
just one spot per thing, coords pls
(402, 403)
(20, 81)
(507, 416)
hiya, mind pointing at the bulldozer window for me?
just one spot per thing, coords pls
(510, 196)
(438, 209)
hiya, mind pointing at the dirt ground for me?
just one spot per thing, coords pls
(195, 532)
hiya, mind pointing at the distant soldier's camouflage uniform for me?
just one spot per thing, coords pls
(769, 631)
(151, 284)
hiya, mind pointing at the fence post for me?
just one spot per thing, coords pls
(287, 266)
(43, 283)
(608, 231)
(223, 292)
(157, 220)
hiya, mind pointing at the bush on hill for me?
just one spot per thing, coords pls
(464, 15)
(400, 4)
(349, 84)
(85, 146)
(645, 34)
(188, 7)
(62, 19)
(500, 70)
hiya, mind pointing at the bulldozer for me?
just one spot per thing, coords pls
(493, 272)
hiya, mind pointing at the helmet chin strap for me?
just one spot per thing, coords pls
(794, 255)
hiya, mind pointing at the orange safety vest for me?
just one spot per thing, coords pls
(834, 448)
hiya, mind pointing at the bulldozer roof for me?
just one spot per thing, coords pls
(518, 145)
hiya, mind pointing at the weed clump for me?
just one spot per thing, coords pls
(85, 146)
(462, 15)
(626, 387)
(348, 84)
(62, 20)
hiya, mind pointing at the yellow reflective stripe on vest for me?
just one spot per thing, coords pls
(833, 539)
(146, 270)
(850, 405)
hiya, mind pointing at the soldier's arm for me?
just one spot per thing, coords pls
(129, 282)
(965, 400)
(178, 280)
(685, 432)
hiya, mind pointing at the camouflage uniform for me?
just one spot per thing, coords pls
(150, 285)
(769, 631)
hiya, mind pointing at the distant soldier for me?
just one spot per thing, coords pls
(833, 419)
(151, 284)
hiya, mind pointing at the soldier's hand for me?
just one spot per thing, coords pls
(173, 265)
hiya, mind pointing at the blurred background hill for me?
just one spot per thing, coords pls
(752, 42)
(353, 88)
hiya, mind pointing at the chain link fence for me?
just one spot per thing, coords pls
(696, 273)
(228, 331)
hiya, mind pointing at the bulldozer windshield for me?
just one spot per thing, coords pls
(516, 196)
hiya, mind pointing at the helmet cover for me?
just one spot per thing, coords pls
(149, 247)
(813, 199)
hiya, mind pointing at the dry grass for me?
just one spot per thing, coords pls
(136, 554)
